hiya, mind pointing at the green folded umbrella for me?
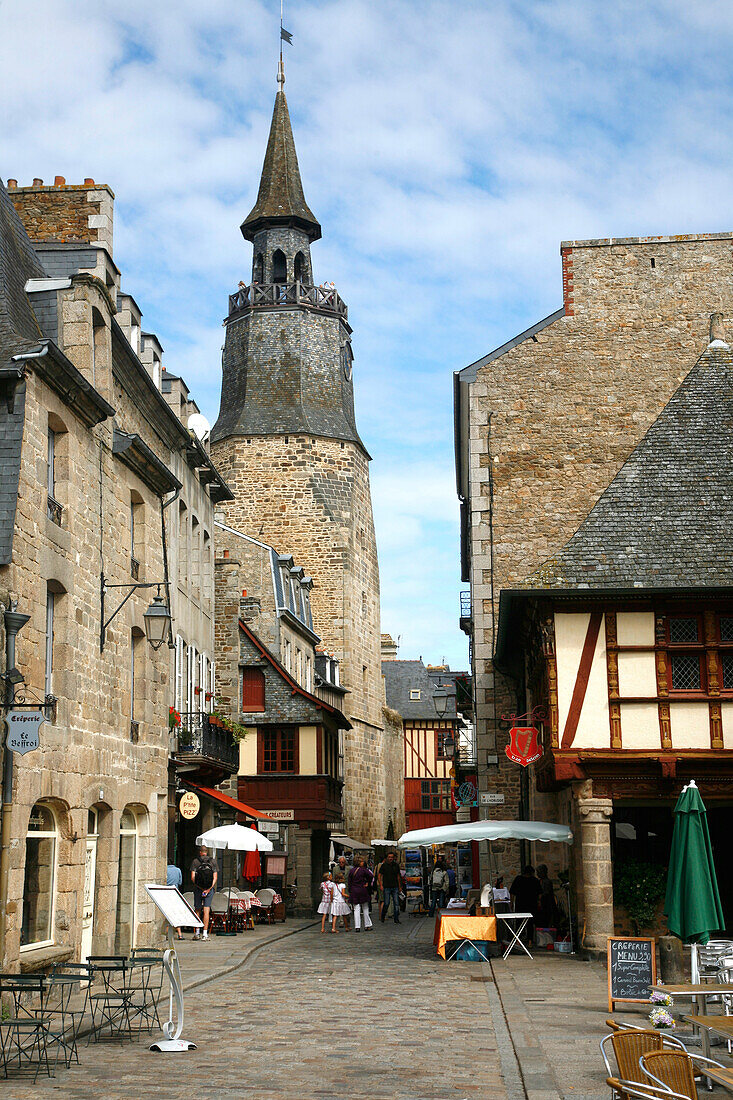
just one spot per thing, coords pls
(692, 904)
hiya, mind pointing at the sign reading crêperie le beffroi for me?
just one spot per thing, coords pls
(23, 730)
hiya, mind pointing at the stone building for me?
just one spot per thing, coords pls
(624, 638)
(286, 441)
(544, 422)
(93, 459)
(282, 689)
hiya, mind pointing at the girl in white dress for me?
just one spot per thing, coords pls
(326, 898)
(339, 906)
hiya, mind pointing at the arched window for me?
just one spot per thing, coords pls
(279, 267)
(126, 885)
(39, 885)
(253, 690)
(259, 271)
(300, 268)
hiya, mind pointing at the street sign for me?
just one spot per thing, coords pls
(189, 805)
(491, 798)
(23, 727)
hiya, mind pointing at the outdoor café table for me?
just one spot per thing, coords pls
(24, 1031)
(720, 1025)
(463, 928)
(515, 925)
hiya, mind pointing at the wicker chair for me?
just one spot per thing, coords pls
(629, 1044)
(631, 1090)
(675, 1070)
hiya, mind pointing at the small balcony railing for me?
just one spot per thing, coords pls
(54, 510)
(197, 737)
(267, 295)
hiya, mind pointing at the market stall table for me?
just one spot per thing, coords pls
(519, 921)
(451, 926)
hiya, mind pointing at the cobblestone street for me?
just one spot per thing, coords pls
(373, 1015)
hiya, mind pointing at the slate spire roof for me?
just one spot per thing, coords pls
(666, 519)
(280, 200)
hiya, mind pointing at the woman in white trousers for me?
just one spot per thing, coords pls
(360, 884)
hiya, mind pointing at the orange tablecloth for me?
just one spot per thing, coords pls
(462, 928)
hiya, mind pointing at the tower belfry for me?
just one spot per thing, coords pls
(286, 441)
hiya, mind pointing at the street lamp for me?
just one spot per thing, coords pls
(157, 618)
(157, 621)
(440, 700)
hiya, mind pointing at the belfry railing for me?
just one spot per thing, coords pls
(267, 295)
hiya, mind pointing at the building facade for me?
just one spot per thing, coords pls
(543, 424)
(93, 461)
(624, 641)
(286, 441)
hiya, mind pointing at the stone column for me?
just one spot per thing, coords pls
(595, 842)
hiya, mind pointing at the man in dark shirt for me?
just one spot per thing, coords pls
(526, 890)
(389, 883)
(201, 895)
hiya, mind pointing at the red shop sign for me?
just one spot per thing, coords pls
(524, 745)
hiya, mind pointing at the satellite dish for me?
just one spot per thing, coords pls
(199, 425)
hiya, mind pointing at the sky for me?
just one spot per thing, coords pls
(446, 147)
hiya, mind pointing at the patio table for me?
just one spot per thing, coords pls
(515, 925)
(719, 1025)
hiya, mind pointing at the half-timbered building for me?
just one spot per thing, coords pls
(624, 643)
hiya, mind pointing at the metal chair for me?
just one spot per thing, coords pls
(265, 898)
(631, 1090)
(628, 1045)
(66, 1004)
(24, 1032)
(111, 1008)
(219, 912)
(146, 983)
(675, 1070)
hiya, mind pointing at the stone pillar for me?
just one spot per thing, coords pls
(595, 843)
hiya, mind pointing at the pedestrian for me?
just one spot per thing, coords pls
(451, 883)
(525, 891)
(389, 884)
(326, 898)
(342, 867)
(340, 903)
(438, 885)
(174, 877)
(204, 873)
(360, 889)
(547, 908)
(502, 897)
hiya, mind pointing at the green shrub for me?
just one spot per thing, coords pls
(639, 887)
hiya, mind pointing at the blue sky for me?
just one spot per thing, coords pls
(446, 147)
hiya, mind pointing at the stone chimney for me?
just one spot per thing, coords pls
(718, 335)
(66, 213)
(389, 648)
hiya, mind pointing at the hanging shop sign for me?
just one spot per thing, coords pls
(23, 727)
(467, 795)
(189, 805)
(524, 745)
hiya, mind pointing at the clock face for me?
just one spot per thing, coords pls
(347, 360)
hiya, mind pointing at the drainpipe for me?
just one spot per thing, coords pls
(13, 623)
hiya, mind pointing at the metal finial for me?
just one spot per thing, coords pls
(280, 74)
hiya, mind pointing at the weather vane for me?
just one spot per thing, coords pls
(285, 36)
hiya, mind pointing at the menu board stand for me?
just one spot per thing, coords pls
(178, 913)
(632, 968)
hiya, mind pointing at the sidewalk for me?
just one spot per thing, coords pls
(203, 960)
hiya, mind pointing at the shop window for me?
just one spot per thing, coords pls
(435, 794)
(278, 750)
(126, 885)
(39, 883)
(253, 690)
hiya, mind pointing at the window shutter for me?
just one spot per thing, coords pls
(253, 690)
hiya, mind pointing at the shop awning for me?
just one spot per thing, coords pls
(219, 796)
(486, 830)
(347, 842)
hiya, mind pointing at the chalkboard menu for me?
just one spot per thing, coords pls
(632, 968)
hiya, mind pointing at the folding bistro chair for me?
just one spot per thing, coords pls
(219, 912)
(146, 983)
(66, 1004)
(111, 1007)
(24, 1032)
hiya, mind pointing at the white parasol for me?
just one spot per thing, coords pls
(236, 838)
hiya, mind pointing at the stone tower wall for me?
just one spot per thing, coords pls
(310, 497)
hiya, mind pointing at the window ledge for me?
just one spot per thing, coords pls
(42, 957)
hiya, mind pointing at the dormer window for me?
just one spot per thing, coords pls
(415, 693)
(253, 690)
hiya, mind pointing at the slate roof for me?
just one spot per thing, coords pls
(402, 677)
(280, 200)
(19, 332)
(665, 521)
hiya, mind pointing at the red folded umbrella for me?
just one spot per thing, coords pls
(252, 867)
